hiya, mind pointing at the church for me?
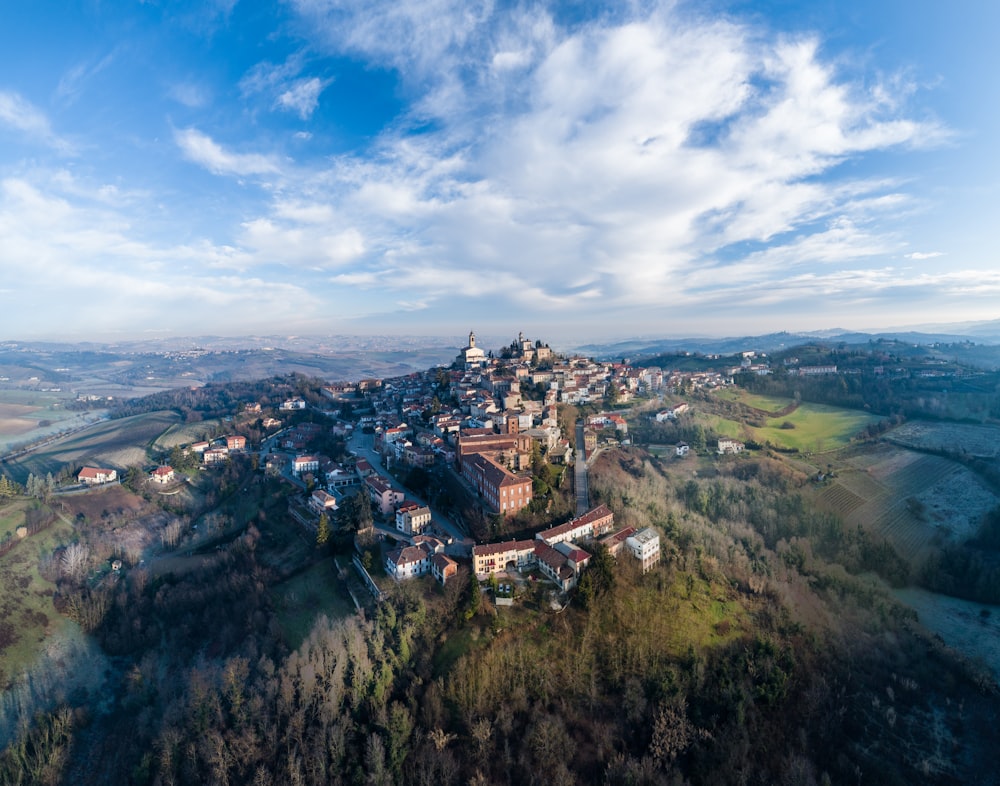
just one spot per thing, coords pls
(471, 357)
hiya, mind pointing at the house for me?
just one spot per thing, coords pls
(645, 547)
(163, 475)
(383, 496)
(727, 445)
(407, 562)
(683, 449)
(496, 557)
(615, 542)
(215, 455)
(671, 413)
(199, 447)
(443, 568)
(236, 442)
(303, 464)
(412, 518)
(554, 564)
(592, 524)
(322, 501)
(292, 404)
(95, 476)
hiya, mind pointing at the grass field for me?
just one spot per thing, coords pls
(116, 443)
(809, 428)
(183, 434)
(816, 428)
(301, 599)
(27, 616)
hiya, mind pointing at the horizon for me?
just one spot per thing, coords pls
(689, 169)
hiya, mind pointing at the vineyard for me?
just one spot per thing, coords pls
(116, 443)
(982, 441)
(917, 502)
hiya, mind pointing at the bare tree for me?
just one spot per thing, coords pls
(74, 560)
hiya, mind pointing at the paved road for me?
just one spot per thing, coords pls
(362, 445)
(580, 470)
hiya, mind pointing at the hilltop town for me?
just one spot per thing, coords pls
(450, 569)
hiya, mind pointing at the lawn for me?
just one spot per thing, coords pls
(27, 616)
(11, 516)
(810, 428)
(301, 599)
(815, 428)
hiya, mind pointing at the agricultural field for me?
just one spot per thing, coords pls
(27, 616)
(116, 443)
(979, 441)
(917, 502)
(971, 628)
(27, 415)
(184, 434)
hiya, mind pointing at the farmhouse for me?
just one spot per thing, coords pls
(163, 475)
(727, 445)
(95, 476)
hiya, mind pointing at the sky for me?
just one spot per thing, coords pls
(575, 170)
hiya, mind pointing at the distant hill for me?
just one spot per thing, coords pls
(978, 344)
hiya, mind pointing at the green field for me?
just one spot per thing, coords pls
(810, 428)
(300, 600)
(116, 443)
(26, 597)
(184, 434)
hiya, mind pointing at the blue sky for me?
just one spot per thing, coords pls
(574, 170)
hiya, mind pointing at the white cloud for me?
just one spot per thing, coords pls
(302, 96)
(634, 157)
(203, 150)
(920, 255)
(23, 116)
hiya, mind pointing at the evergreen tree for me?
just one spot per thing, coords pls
(323, 530)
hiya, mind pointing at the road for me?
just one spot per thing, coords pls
(580, 476)
(362, 446)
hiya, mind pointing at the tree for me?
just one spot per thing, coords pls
(474, 600)
(323, 530)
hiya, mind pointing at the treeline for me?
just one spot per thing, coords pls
(216, 400)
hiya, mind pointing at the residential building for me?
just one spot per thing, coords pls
(304, 464)
(383, 496)
(163, 475)
(496, 557)
(592, 524)
(95, 476)
(727, 445)
(645, 547)
(443, 568)
(412, 518)
(407, 562)
(322, 501)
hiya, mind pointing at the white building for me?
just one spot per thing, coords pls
(645, 547)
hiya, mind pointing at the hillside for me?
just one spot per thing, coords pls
(766, 646)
